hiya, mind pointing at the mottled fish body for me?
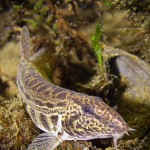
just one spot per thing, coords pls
(61, 113)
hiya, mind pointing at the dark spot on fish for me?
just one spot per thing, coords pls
(100, 125)
(71, 122)
(78, 126)
(32, 114)
(32, 82)
(108, 109)
(49, 105)
(103, 130)
(87, 109)
(67, 128)
(75, 100)
(119, 119)
(26, 81)
(35, 75)
(27, 96)
(42, 88)
(56, 91)
(97, 117)
(44, 121)
(73, 118)
(61, 104)
(74, 107)
(54, 119)
(46, 92)
(87, 121)
(61, 95)
(36, 86)
(38, 102)
(102, 108)
(78, 134)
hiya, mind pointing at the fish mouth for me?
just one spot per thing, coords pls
(120, 129)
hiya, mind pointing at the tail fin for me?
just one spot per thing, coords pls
(25, 44)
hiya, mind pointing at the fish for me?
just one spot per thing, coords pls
(63, 114)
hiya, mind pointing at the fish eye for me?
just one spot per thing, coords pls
(87, 109)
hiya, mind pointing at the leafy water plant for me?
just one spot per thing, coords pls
(98, 48)
(107, 3)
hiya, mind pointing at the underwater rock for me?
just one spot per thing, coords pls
(133, 88)
(133, 73)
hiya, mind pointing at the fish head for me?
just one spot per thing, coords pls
(88, 117)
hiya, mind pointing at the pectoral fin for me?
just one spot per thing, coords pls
(45, 141)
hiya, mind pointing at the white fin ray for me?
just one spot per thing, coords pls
(116, 137)
(44, 141)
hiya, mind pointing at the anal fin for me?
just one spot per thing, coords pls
(45, 141)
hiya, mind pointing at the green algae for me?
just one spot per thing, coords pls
(38, 5)
(97, 47)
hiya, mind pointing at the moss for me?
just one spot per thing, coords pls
(107, 3)
(135, 5)
(38, 5)
(31, 23)
(15, 124)
(18, 7)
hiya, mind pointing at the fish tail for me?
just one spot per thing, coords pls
(25, 44)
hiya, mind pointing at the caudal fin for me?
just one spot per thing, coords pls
(25, 44)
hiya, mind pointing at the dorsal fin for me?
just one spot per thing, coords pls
(25, 44)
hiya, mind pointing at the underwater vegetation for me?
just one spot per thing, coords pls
(96, 45)
(63, 29)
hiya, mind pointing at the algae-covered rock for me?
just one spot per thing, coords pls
(16, 128)
(133, 87)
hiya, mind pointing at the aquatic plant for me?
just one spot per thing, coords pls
(98, 48)
(107, 3)
(38, 5)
